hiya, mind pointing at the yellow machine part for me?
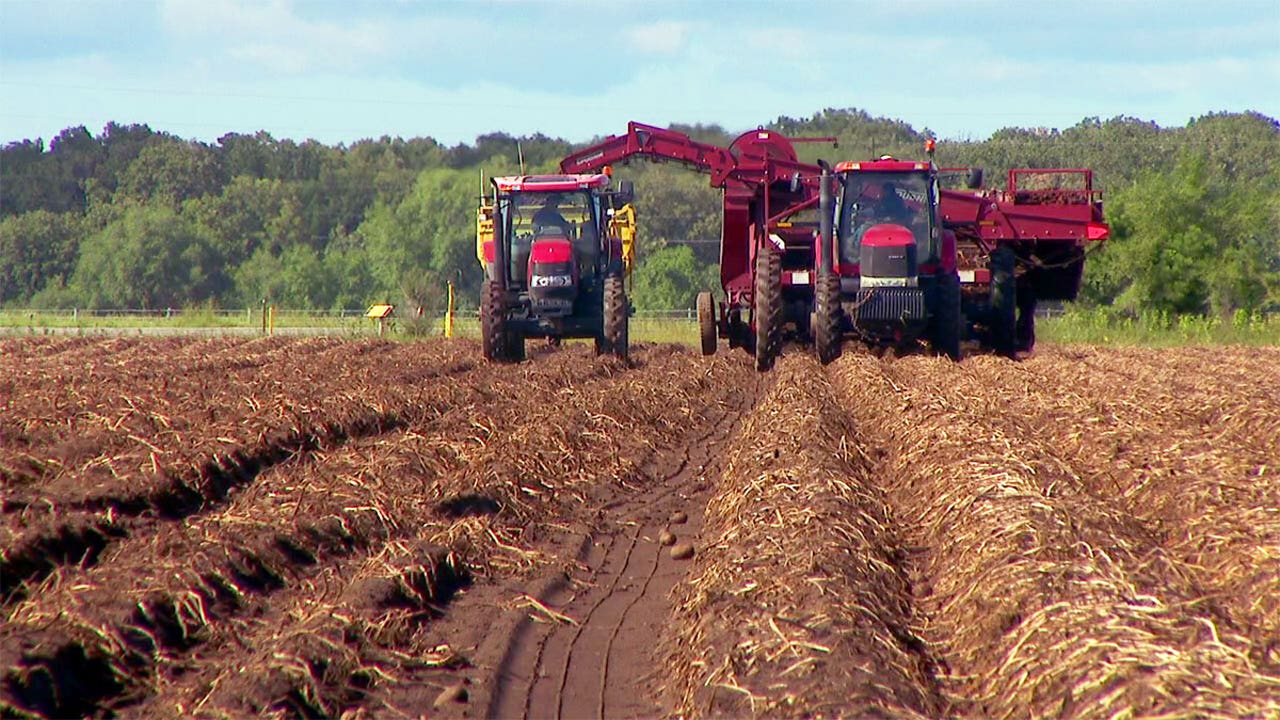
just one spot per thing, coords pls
(623, 226)
(484, 229)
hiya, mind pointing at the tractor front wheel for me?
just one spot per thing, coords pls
(515, 346)
(826, 318)
(707, 322)
(493, 322)
(616, 317)
(947, 318)
(767, 309)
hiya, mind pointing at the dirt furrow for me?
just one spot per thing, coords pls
(167, 587)
(165, 479)
(1187, 388)
(1039, 599)
(1206, 500)
(799, 605)
(367, 629)
(577, 635)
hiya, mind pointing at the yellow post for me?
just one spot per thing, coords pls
(271, 320)
(448, 313)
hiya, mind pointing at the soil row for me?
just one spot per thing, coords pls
(799, 605)
(310, 589)
(1039, 595)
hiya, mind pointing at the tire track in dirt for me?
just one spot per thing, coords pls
(577, 639)
(1205, 500)
(369, 634)
(1040, 600)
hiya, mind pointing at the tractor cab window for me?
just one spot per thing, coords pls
(571, 215)
(542, 213)
(868, 199)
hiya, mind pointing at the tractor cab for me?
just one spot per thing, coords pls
(895, 266)
(886, 222)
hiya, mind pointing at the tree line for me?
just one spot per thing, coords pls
(134, 218)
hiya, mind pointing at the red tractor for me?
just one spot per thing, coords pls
(808, 254)
(890, 275)
(557, 252)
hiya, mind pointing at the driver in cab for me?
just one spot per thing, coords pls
(549, 215)
(891, 206)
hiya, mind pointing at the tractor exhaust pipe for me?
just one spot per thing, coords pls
(825, 223)
(500, 269)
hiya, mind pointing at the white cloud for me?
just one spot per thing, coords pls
(658, 38)
(271, 36)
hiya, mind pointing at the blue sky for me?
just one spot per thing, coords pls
(341, 70)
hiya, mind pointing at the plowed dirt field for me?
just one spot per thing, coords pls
(240, 527)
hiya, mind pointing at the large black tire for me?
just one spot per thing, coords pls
(616, 315)
(515, 346)
(767, 307)
(1026, 331)
(826, 318)
(707, 322)
(493, 322)
(1002, 321)
(947, 318)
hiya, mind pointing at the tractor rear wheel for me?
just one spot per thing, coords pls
(493, 321)
(826, 318)
(767, 309)
(1004, 302)
(616, 317)
(947, 319)
(707, 322)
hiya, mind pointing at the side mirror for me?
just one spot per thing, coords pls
(795, 182)
(974, 179)
(626, 191)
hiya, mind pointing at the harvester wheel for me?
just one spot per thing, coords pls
(616, 315)
(493, 322)
(1004, 302)
(767, 310)
(826, 318)
(1026, 332)
(707, 322)
(947, 318)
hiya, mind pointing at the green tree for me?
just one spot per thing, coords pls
(431, 229)
(347, 266)
(170, 172)
(670, 279)
(36, 248)
(151, 257)
(1188, 241)
(260, 278)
